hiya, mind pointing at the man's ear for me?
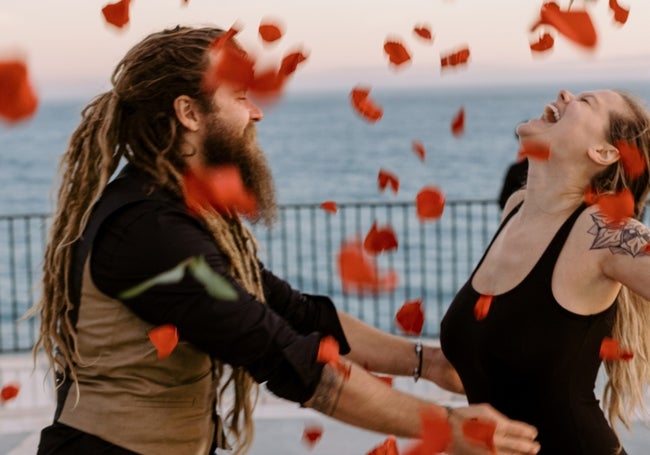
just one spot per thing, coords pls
(604, 155)
(187, 112)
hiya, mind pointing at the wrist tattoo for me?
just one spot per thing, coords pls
(328, 391)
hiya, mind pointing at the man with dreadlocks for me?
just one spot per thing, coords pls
(115, 396)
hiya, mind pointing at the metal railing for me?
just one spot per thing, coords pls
(432, 261)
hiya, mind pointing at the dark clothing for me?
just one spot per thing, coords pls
(514, 179)
(137, 232)
(532, 359)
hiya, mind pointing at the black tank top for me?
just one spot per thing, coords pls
(532, 359)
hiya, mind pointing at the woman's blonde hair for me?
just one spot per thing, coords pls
(627, 381)
(136, 120)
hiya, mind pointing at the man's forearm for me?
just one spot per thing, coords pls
(364, 401)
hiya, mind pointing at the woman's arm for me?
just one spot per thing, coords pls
(629, 263)
(364, 401)
(391, 354)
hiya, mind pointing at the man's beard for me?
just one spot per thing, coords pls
(222, 147)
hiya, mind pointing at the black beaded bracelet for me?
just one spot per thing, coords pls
(417, 371)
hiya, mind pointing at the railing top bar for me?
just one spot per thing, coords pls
(386, 203)
(24, 216)
(303, 205)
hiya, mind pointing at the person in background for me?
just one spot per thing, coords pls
(115, 393)
(565, 279)
(514, 178)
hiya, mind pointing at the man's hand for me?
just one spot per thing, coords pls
(510, 437)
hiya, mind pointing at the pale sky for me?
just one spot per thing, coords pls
(70, 50)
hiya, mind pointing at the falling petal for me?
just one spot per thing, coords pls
(610, 350)
(482, 306)
(410, 317)
(430, 203)
(591, 196)
(164, 338)
(364, 105)
(458, 123)
(480, 432)
(397, 53)
(385, 178)
(455, 58)
(17, 98)
(575, 25)
(359, 273)
(328, 352)
(534, 150)
(9, 392)
(436, 433)
(228, 63)
(620, 13)
(379, 240)
(418, 148)
(312, 434)
(291, 61)
(329, 206)
(219, 187)
(424, 32)
(270, 31)
(544, 43)
(117, 14)
(388, 447)
(632, 158)
(618, 207)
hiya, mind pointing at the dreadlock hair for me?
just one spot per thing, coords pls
(627, 380)
(136, 120)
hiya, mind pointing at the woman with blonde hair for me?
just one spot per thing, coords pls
(562, 274)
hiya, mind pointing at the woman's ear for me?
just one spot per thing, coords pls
(187, 112)
(604, 155)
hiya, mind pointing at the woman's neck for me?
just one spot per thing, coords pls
(553, 191)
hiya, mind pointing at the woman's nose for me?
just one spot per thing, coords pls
(564, 96)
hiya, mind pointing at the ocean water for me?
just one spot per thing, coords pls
(319, 149)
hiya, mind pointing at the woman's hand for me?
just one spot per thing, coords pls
(510, 437)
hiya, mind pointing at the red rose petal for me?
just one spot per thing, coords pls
(458, 123)
(617, 207)
(397, 53)
(534, 150)
(9, 392)
(164, 338)
(270, 31)
(544, 43)
(410, 317)
(329, 206)
(632, 159)
(359, 274)
(312, 434)
(419, 150)
(385, 178)
(455, 58)
(610, 350)
(620, 13)
(117, 14)
(364, 105)
(379, 240)
(388, 447)
(424, 32)
(482, 306)
(574, 24)
(17, 98)
(480, 432)
(430, 203)
(436, 433)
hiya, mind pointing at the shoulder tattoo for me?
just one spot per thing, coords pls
(630, 237)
